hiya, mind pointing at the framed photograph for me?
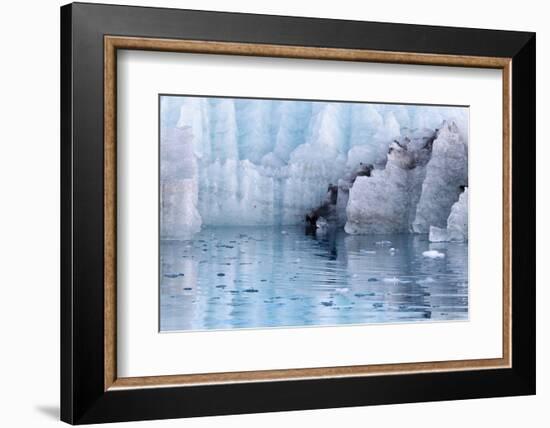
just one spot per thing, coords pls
(266, 213)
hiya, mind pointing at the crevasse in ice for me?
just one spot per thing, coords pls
(231, 161)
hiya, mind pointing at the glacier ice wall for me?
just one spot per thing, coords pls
(457, 223)
(385, 201)
(446, 177)
(179, 185)
(269, 162)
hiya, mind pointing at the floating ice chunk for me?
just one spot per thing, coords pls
(368, 251)
(433, 254)
(395, 280)
(437, 234)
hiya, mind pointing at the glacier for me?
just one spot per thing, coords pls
(179, 185)
(456, 229)
(369, 168)
(446, 177)
(385, 201)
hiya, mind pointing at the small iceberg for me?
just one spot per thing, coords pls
(395, 280)
(433, 254)
(437, 234)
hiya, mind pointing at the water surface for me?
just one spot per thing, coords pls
(258, 277)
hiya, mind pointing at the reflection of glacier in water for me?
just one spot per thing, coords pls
(242, 277)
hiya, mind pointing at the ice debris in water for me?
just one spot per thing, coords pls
(433, 254)
(395, 280)
(269, 162)
(367, 251)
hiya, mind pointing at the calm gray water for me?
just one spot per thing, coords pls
(257, 277)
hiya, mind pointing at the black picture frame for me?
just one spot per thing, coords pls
(83, 396)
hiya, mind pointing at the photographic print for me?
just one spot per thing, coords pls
(296, 213)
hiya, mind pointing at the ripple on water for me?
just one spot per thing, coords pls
(292, 279)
